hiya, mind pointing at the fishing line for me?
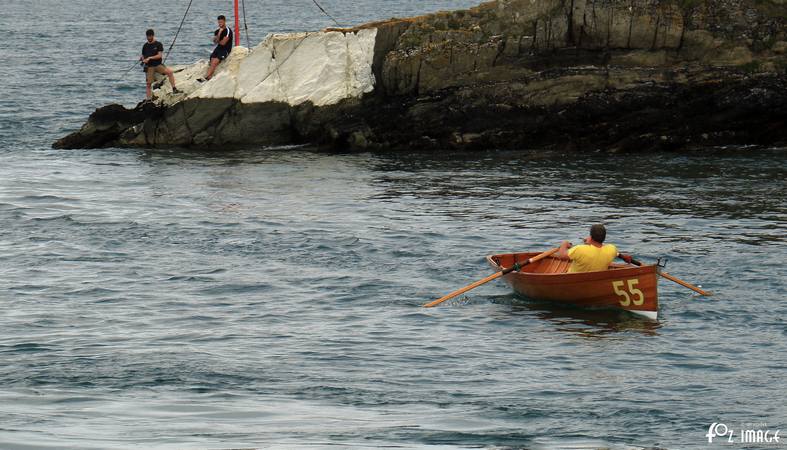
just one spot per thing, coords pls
(178, 32)
(245, 26)
(276, 69)
(326, 13)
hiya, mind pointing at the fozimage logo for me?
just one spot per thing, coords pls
(748, 433)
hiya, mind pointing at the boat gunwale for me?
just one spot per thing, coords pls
(627, 270)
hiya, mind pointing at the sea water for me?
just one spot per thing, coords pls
(271, 297)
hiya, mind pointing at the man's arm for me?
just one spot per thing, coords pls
(226, 38)
(158, 55)
(562, 253)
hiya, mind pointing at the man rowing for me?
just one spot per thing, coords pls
(153, 60)
(593, 255)
(223, 38)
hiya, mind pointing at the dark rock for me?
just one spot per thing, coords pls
(582, 75)
(107, 123)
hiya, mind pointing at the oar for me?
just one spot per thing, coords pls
(685, 284)
(491, 277)
(677, 280)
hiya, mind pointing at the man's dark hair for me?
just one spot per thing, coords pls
(150, 32)
(598, 233)
(222, 18)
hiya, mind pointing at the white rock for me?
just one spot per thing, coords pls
(321, 67)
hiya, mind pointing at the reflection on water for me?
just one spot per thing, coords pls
(666, 183)
(583, 322)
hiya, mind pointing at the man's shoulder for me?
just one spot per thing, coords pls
(609, 250)
(581, 248)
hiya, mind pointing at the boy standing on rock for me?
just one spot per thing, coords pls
(223, 39)
(152, 56)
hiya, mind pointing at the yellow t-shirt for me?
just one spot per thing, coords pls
(589, 258)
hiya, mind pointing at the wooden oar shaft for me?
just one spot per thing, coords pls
(464, 289)
(546, 254)
(677, 280)
(684, 284)
(490, 278)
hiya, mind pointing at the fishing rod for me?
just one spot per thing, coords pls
(137, 62)
(178, 32)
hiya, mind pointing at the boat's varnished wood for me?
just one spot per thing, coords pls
(623, 286)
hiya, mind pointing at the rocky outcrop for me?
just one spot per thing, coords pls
(572, 74)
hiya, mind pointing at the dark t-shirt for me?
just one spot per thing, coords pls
(152, 49)
(226, 31)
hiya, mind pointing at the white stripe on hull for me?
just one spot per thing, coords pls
(652, 315)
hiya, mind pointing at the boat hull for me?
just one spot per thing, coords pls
(622, 287)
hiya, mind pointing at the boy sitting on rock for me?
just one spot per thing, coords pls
(223, 39)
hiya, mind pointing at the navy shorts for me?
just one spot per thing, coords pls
(220, 53)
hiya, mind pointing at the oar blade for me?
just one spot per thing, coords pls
(463, 290)
(489, 278)
(685, 284)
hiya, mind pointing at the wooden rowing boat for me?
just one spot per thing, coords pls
(627, 287)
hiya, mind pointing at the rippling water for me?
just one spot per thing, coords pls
(270, 297)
